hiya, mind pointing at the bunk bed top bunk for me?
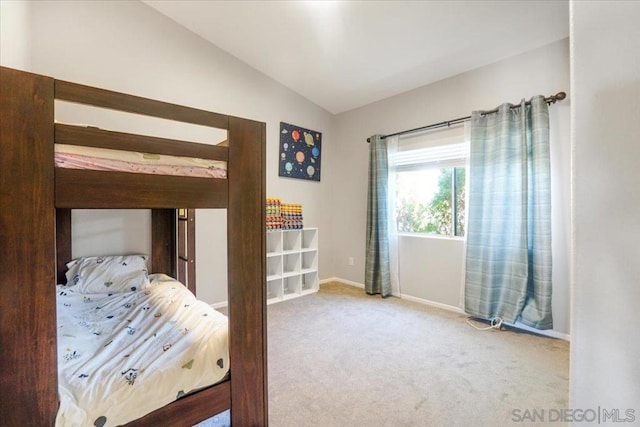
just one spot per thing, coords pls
(36, 199)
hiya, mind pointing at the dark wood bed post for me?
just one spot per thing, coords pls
(163, 242)
(247, 257)
(186, 260)
(27, 224)
(63, 242)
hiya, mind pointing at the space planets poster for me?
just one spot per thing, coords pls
(300, 150)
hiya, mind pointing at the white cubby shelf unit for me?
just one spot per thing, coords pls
(292, 263)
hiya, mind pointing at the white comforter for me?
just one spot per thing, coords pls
(123, 355)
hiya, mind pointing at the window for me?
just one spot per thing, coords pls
(429, 181)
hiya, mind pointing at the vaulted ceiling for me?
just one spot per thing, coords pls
(345, 54)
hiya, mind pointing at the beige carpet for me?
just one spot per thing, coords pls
(342, 358)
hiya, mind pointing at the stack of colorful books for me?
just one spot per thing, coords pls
(291, 216)
(274, 216)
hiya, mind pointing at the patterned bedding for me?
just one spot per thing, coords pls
(78, 157)
(122, 355)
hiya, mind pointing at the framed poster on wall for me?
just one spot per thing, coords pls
(300, 151)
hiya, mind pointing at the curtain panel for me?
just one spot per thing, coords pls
(377, 279)
(394, 254)
(508, 258)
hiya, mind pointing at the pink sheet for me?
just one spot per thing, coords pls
(78, 161)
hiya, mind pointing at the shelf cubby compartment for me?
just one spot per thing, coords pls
(274, 289)
(274, 242)
(309, 238)
(309, 260)
(291, 263)
(291, 240)
(291, 286)
(309, 281)
(274, 268)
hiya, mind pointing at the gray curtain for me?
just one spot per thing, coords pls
(377, 278)
(508, 262)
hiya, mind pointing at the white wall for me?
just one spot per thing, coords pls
(605, 369)
(436, 278)
(542, 71)
(14, 34)
(127, 46)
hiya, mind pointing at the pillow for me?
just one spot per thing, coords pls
(107, 274)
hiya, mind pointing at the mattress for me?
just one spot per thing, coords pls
(123, 355)
(78, 157)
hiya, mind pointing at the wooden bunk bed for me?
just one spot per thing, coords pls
(35, 229)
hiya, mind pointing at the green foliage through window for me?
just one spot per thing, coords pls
(425, 202)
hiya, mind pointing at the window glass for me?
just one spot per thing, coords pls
(429, 177)
(424, 202)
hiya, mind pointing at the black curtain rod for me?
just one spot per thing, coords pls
(549, 100)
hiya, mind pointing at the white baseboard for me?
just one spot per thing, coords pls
(433, 304)
(343, 281)
(548, 333)
(348, 282)
(403, 296)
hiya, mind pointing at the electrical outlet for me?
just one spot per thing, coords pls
(351, 260)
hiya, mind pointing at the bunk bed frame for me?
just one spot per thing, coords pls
(35, 232)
